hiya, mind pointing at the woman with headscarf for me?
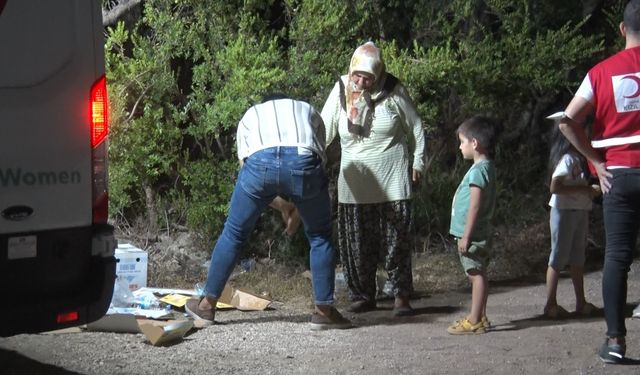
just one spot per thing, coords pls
(383, 144)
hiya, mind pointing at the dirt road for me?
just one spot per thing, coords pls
(279, 342)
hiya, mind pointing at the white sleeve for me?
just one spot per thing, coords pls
(413, 126)
(319, 129)
(585, 90)
(241, 138)
(563, 167)
(331, 114)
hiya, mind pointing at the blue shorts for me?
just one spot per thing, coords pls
(568, 237)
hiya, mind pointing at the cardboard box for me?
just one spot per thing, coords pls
(156, 331)
(132, 265)
(243, 300)
(161, 333)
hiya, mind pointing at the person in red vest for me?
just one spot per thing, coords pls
(611, 93)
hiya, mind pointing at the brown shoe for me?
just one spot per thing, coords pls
(362, 306)
(334, 320)
(192, 307)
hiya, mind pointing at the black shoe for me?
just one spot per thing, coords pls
(399, 311)
(612, 353)
(362, 306)
(401, 307)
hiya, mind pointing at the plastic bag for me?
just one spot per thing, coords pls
(122, 296)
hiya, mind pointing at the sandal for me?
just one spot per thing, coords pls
(589, 309)
(555, 312)
(465, 327)
(402, 311)
(401, 307)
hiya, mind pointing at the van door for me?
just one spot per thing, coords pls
(56, 248)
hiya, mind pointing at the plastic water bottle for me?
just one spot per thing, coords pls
(341, 283)
(148, 302)
(199, 288)
(247, 265)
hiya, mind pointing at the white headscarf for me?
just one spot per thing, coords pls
(368, 59)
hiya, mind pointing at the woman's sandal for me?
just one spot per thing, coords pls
(555, 312)
(589, 309)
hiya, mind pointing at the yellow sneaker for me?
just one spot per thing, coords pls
(464, 327)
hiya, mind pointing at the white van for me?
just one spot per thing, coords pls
(57, 265)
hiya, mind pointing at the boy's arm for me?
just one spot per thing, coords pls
(472, 216)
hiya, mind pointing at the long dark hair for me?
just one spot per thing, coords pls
(560, 145)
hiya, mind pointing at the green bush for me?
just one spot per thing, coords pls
(182, 75)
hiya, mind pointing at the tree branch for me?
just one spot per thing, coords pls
(109, 17)
(135, 106)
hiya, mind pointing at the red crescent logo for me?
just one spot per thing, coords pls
(2, 4)
(637, 81)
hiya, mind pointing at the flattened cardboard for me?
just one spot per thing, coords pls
(223, 306)
(122, 323)
(64, 331)
(243, 300)
(162, 333)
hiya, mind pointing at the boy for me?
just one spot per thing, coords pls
(472, 209)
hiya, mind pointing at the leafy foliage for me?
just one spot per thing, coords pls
(182, 75)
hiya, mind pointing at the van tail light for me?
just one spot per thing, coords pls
(99, 117)
(67, 317)
(99, 112)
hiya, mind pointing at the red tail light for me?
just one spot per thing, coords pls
(99, 108)
(99, 112)
(66, 317)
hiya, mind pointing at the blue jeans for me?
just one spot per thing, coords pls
(621, 221)
(265, 175)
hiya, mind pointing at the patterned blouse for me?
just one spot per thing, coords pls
(376, 168)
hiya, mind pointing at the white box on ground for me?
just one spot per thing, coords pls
(132, 265)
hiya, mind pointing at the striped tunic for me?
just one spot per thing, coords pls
(376, 169)
(282, 122)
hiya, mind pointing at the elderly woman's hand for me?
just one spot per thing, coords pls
(416, 176)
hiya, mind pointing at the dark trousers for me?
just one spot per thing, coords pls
(621, 220)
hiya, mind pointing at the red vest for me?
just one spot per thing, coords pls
(616, 98)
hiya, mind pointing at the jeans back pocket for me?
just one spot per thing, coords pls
(307, 183)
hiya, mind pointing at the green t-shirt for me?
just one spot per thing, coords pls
(483, 175)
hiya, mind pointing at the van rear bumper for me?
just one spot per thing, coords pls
(73, 273)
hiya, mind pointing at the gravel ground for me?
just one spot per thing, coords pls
(279, 341)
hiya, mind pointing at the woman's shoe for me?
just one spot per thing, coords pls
(588, 309)
(362, 306)
(401, 307)
(555, 312)
(206, 317)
